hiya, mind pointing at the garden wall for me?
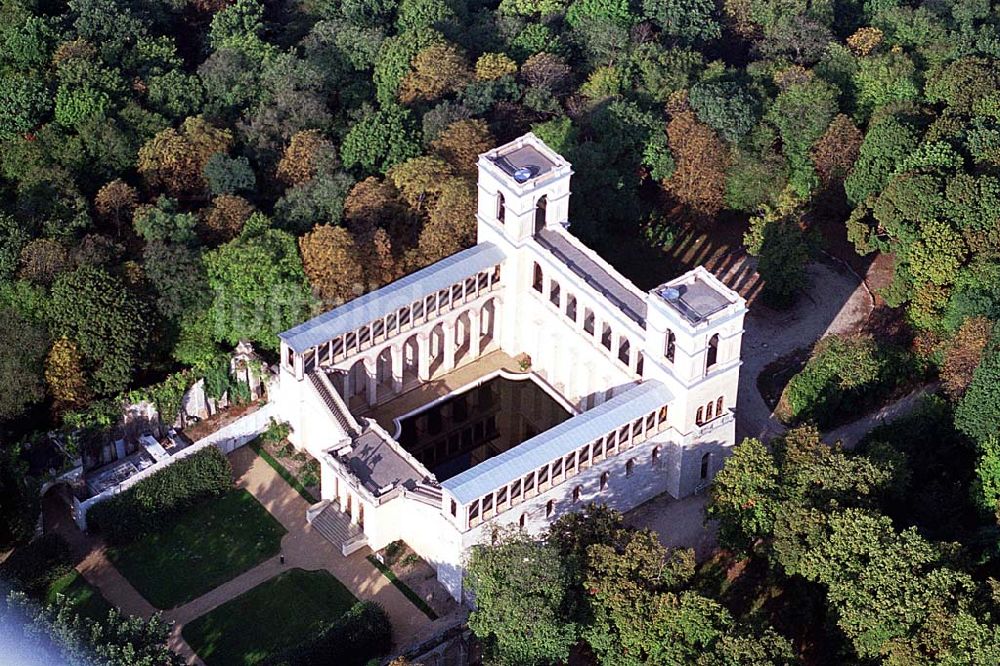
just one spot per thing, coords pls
(226, 439)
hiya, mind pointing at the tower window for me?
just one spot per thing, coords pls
(576, 493)
(537, 279)
(670, 346)
(706, 462)
(604, 480)
(540, 215)
(698, 417)
(708, 411)
(656, 456)
(550, 508)
(713, 352)
(501, 208)
(520, 521)
(629, 467)
(588, 321)
(554, 293)
(718, 406)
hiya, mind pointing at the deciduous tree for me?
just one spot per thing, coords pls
(699, 179)
(175, 159)
(330, 259)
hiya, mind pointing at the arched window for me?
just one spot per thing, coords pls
(537, 279)
(718, 406)
(638, 364)
(670, 346)
(550, 508)
(554, 293)
(588, 321)
(606, 337)
(623, 351)
(520, 521)
(656, 456)
(708, 411)
(540, 213)
(576, 493)
(697, 417)
(713, 352)
(501, 208)
(629, 467)
(706, 463)
(604, 480)
(571, 306)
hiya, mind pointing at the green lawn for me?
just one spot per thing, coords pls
(274, 615)
(200, 549)
(84, 597)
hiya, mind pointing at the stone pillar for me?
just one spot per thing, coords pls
(423, 356)
(398, 359)
(449, 346)
(347, 385)
(355, 510)
(371, 369)
(475, 334)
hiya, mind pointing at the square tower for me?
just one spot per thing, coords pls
(523, 187)
(694, 329)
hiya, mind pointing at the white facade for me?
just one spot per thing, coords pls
(652, 375)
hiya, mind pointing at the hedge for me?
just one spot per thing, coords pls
(33, 567)
(360, 635)
(143, 507)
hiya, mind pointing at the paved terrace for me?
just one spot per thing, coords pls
(428, 392)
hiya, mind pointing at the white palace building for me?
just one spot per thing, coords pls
(510, 383)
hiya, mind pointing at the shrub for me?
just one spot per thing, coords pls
(35, 566)
(361, 634)
(143, 507)
(844, 377)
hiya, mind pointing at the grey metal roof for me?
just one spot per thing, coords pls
(526, 157)
(381, 302)
(561, 440)
(593, 274)
(696, 300)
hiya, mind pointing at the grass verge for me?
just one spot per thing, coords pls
(404, 588)
(283, 472)
(277, 614)
(200, 549)
(83, 597)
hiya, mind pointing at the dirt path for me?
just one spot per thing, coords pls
(850, 434)
(836, 302)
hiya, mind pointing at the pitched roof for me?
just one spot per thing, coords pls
(558, 441)
(381, 302)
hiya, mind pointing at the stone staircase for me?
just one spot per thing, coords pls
(334, 403)
(336, 527)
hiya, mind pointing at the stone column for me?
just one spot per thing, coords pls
(398, 359)
(371, 369)
(449, 346)
(475, 333)
(355, 510)
(423, 356)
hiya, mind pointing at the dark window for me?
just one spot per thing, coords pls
(629, 467)
(706, 461)
(577, 492)
(708, 412)
(606, 337)
(697, 417)
(501, 208)
(718, 406)
(571, 306)
(713, 352)
(656, 456)
(520, 521)
(540, 214)
(604, 480)
(623, 351)
(454, 508)
(638, 364)
(670, 346)
(550, 508)
(537, 279)
(554, 293)
(588, 321)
